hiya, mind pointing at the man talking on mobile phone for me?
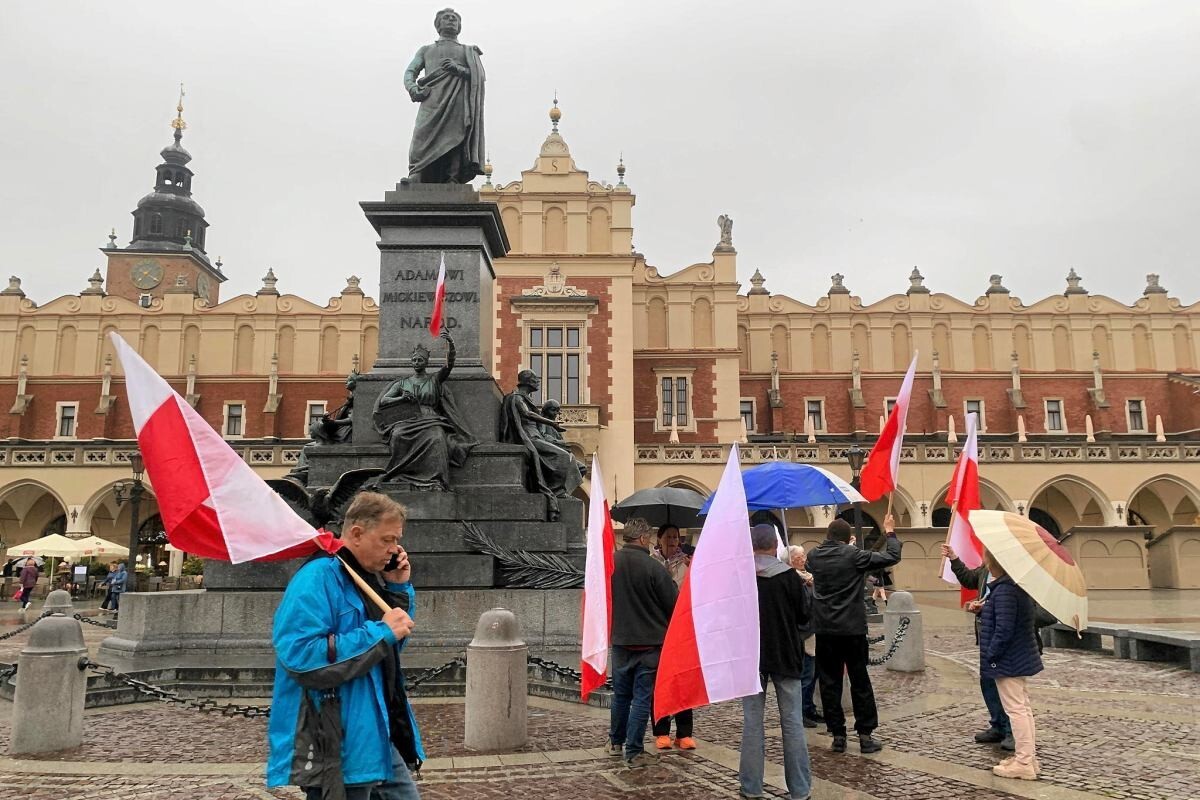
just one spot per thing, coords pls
(341, 726)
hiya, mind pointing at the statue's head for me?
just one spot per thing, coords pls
(447, 22)
(420, 356)
(551, 408)
(352, 380)
(527, 379)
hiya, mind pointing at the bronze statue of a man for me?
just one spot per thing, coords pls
(447, 144)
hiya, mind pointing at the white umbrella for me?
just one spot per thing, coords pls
(55, 545)
(95, 546)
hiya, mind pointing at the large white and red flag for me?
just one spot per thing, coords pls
(882, 471)
(212, 504)
(597, 588)
(710, 653)
(439, 300)
(963, 497)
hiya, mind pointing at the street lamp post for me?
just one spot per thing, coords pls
(132, 491)
(855, 456)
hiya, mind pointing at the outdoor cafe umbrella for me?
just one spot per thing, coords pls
(1036, 562)
(55, 546)
(667, 505)
(784, 484)
(90, 546)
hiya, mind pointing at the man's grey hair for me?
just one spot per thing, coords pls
(635, 529)
(763, 537)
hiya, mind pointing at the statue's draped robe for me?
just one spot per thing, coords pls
(427, 443)
(552, 468)
(452, 116)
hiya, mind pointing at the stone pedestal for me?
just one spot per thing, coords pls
(48, 705)
(910, 654)
(496, 712)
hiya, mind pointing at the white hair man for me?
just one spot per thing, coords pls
(798, 559)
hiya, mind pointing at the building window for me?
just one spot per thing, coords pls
(747, 407)
(1135, 412)
(674, 402)
(316, 410)
(889, 403)
(556, 356)
(815, 408)
(234, 420)
(67, 413)
(1054, 416)
(156, 224)
(975, 407)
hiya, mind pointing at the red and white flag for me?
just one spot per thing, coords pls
(710, 653)
(882, 471)
(963, 497)
(439, 299)
(597, 588)
(212, 504)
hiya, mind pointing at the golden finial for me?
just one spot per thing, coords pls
(621, 170)
(555, 114)
(178, 123)
(487, 170)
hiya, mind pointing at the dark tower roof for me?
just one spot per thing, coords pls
(168, 218)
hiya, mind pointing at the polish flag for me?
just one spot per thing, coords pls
(963, 497)
(439, 299)
(711, 649)
(597, 588)
(212, 504)
(882, 471)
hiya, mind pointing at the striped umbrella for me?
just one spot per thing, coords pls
(1036, 562)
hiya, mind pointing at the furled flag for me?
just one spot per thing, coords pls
(212, 504)
(710, 653)
(439, 300)
(963, 497)
(882, 471)
(597, 588)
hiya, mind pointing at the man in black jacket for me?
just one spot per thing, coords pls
(783, 610)
(839, 573)
(643, 597)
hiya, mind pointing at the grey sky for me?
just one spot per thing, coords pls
(965, 137)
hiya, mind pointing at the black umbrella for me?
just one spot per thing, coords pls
(665, 506)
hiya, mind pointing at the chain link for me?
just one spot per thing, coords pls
(25, 627)
(7, 673)
(429, 674)
(875, 639)
(98, 623)
(168, 696)
(901, 630)
(573, 675)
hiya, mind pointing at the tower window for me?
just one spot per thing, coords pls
(181, 228)
(156, 224)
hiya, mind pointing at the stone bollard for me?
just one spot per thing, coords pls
(48, 704)
(58, 602)
(497, 684)
(910, 655)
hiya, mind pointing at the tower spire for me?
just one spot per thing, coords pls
(178, 124)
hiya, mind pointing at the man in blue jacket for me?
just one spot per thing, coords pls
(341, 726)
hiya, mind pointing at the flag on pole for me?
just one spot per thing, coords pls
(710, 653)
(597, 588)
(882, 471)
(963, 497)
(212, 504)
(439, 299)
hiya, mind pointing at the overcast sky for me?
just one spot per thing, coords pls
(968, 137)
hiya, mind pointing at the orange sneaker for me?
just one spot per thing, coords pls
(685, 743)
(663, 742)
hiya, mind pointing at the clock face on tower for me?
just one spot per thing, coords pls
(147, 274)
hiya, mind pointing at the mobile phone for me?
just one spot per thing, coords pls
(392, 563)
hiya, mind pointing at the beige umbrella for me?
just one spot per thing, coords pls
(1036, 562)
(55, 545)
(95, 546)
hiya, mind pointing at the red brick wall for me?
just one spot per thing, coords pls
(645, 397)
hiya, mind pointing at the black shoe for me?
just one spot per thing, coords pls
(1008, 743)
(869, 744)
(990, 736)
(809, 722)
(839, 744)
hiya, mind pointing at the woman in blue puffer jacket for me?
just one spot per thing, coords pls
(1008, 652)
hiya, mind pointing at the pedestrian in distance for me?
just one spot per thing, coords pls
(783, 611)
(839, 572)
(118, 582)
(643, 597)
(109, 603)
(1008, 654)
(28, 578)
(670, 555)
(341, 725)
(798, 559)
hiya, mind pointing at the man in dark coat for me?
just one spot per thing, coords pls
(839, 573)
(643, 597)
(999, 730)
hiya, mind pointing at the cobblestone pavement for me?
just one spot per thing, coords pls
(1093, 713)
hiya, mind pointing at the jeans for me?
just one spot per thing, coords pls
(1015, 695)
(401, 787)
(633, 673)
(808, 684)
(846, 654)
(997, 718)
(797, 771)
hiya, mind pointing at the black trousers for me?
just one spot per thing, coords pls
(838, 655)
(683, 725)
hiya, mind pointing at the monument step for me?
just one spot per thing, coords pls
(422, 537)
(480, 503)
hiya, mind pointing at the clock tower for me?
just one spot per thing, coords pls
(169, 230)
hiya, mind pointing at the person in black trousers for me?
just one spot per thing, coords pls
(839, 573)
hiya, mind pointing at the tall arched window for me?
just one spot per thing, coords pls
(1143, 352)
(941, 344)
(243, 360)
(285, 347)
(555, 238)
(860, 337)
(702, 323)
(370, 348)
(25, 344)
(512, 226)
(1182, 339)
(1101, 345)
(599, 239)
(781, 345)
(1063, 359)
(149, 345)
(191, 347)
(329, 350)
(901, 347)
(656, 322)
(744, 348)
(1023, 347)
(181, 228)
(64, 360)
(820, 348)
(981, 345)
(156, 223)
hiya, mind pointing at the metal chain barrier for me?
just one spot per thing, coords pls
(572, 675)
(25, 627)
(168, 696)
(875, 639)
(901, 629)
(7, 673)
(98, 623)
(429, 674)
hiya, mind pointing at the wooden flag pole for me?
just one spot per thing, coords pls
(367, 588)
(889, 508)
(949, 530)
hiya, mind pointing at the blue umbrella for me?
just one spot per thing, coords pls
(782, 484)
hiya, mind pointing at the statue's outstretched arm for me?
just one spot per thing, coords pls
(444, 372)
